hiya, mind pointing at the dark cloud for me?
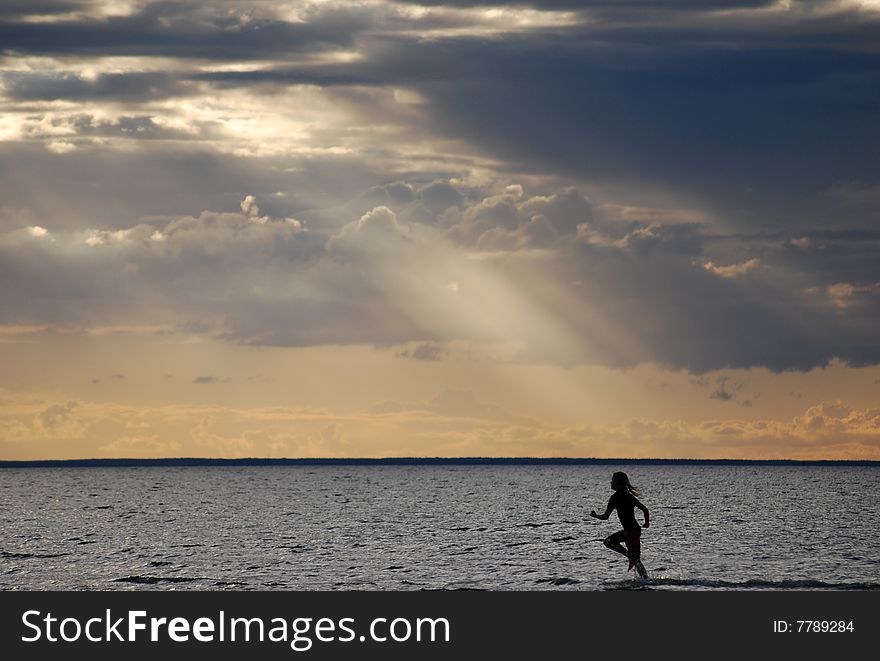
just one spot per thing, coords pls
(682, 315)
(15, 9)
(282, 76)
(725, 390)
(613, 5)
(129, 87)
(761, 123)
(760, 147)
(758, 117)
(97, 186)
(187, 30)
(428, 351)
(439, 196)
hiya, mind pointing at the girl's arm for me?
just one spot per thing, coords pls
(608, 511)
(644, 511)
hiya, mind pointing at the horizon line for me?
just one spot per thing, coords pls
(133, 462)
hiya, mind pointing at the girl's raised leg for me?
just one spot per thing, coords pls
(615, 543)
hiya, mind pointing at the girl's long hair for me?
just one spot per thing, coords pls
(623, 478)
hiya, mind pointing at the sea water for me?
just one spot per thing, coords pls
(417, 527)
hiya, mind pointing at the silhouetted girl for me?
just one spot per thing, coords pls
(625, 500)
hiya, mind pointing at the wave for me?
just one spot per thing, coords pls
(151, 580)
(750, 584)
(24, 556)
(558, 581)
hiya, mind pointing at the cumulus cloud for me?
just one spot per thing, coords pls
(544, 275)
(732, 270)
(842, 295)
(249, 207)
(56, 415)
(453, 423)
(512, 220)
(537, 232)
(377, 228)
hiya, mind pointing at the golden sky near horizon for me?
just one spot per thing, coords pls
(379, 228)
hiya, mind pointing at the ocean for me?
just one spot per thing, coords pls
(435, 527)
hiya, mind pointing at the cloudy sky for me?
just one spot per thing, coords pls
(638, 228)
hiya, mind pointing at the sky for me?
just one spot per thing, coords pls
(581, 228)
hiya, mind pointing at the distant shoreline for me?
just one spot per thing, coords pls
(418, 461)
